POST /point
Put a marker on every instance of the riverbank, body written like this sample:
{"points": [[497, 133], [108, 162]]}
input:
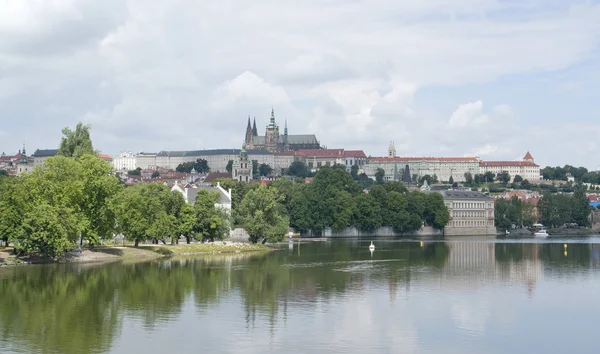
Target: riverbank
{"points": [[130, 253]]}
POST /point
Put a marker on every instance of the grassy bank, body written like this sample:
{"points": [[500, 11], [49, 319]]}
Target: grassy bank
{"points": [[130, 253]]}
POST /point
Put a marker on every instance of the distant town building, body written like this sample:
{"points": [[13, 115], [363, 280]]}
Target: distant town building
{"points": [[41, 155], [190, 191], [273, 141], [471, 213], [216, 159], [526, 168], [242, 167], [125, 161], [442, 167]]}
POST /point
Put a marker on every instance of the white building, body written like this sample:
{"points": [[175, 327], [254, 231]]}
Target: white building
{"points": [[241, 170], [471, 213], [216, 159], [283, 160], [442, 167], [190, 190], [125, 161], [526, 168]]}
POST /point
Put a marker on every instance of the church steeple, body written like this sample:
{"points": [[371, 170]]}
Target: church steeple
{"points": [[285, 131], [254, 131], [392, 150], [249, 136]]}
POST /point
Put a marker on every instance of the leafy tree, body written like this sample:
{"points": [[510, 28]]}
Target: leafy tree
{"points": [[354, 172], [3, 173], [255, 173], [263, 216], [580, 209], [155, 174], [367, 216], [229, 166], [503, 177], [136, 172], [298, 169], [379, 175], [451, 180], [211, 222], [435, 212], [13, 198], [525, 184], [468, 178], [264, 169], [488, 177], [345, 209], [187, 222], [200, 165], [76, 143], [518, 179], [364, 181]]}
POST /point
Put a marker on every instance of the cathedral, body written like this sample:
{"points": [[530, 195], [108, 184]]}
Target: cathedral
{"points": [[273, 141]]}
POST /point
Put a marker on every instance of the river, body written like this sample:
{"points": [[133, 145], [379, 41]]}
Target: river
{"points": [[469, 295]]}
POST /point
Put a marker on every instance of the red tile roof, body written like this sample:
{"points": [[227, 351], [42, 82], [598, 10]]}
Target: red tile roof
{"points": [[528, 156], [407, 159], [214, 175], [321, 153], [105, 157], [355, 153], [507, 163]]}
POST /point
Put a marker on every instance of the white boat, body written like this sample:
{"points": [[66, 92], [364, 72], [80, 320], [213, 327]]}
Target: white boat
{"points": [[541, 233]]}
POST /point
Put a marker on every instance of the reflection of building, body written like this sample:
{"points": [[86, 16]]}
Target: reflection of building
{"points": [[472, 263], [471, 213]]}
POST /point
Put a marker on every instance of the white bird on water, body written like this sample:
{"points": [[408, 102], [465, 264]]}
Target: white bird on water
{"points": [[372, 247]]}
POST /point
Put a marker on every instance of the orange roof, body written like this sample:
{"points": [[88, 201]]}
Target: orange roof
{"points": [[105, 157], [507, 163], [321, 153], [440, 159], [355, 153], [528, 156]]}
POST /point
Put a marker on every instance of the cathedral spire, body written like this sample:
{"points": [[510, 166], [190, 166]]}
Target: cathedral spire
{"points": [[24, 149], [254, 130], [249, 136], [285, 131]]}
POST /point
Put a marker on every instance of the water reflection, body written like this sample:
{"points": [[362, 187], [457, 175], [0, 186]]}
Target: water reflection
{"points": [[82, 308]]}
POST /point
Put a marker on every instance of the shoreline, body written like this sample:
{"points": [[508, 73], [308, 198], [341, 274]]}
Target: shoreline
{"points": [[145, 252]]}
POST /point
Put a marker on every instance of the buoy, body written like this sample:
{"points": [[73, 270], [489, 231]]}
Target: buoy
{"points": [[565, 245], [421, 244], [565, 253]]}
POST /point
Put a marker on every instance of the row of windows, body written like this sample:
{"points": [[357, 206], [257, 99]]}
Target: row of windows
{"points": [[471, 223], [468, 214], [469, 205]]}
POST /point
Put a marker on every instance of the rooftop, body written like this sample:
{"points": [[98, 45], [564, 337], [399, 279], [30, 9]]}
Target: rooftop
{"points": [[470, 195], [507, 163], [416, 159]]}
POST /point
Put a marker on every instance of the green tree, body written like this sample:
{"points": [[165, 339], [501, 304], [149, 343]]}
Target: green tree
{"points": [[298, 169], [354, 172], [580, 209], [155, 174], [503, 177], [3, 173], [229, 166], [435, 212], [468, 178], [518, 179], [451, 180], [525, 184], [379, 175], [136, 172], [367, 216], [264, 169], [76, 143], [200, 165], [13, 201], [211, 222], [263, 216], [187, 222]]}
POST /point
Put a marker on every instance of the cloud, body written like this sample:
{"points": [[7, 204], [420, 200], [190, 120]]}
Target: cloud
{"points": [[154, 75]]}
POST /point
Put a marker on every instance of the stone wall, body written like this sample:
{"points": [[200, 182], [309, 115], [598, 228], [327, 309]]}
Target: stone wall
{"points": [[382, 231], [470, 231]]}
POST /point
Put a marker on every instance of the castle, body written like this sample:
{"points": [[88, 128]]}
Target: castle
{"points": [[272, 141]]}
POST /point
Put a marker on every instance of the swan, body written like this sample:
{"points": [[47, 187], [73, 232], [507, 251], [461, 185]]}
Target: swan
{"points": [[372, 247]]}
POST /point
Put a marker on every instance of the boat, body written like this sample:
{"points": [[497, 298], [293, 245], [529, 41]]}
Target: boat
{"points": [[540, 231]]}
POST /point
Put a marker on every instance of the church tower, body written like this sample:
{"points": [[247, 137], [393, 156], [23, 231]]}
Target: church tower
{"points": [[241, 170], [392, 150], [248, 141], [254, 131], [272, 134], [24, 162]]}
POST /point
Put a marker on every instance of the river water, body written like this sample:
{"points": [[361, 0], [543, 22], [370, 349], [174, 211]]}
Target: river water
{"points": [[471, 295]]}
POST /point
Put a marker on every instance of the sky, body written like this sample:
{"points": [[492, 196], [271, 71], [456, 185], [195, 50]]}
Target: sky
{"points": [[486, 78]]}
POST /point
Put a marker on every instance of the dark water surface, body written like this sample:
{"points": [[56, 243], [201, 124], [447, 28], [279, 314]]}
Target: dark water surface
{"points": [[455, 296]]}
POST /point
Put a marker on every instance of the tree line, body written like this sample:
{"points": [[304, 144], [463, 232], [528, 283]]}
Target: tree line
{"points": [[334, 199]]}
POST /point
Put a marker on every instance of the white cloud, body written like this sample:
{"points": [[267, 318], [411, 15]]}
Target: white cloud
{"points": [[145, 71]]}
